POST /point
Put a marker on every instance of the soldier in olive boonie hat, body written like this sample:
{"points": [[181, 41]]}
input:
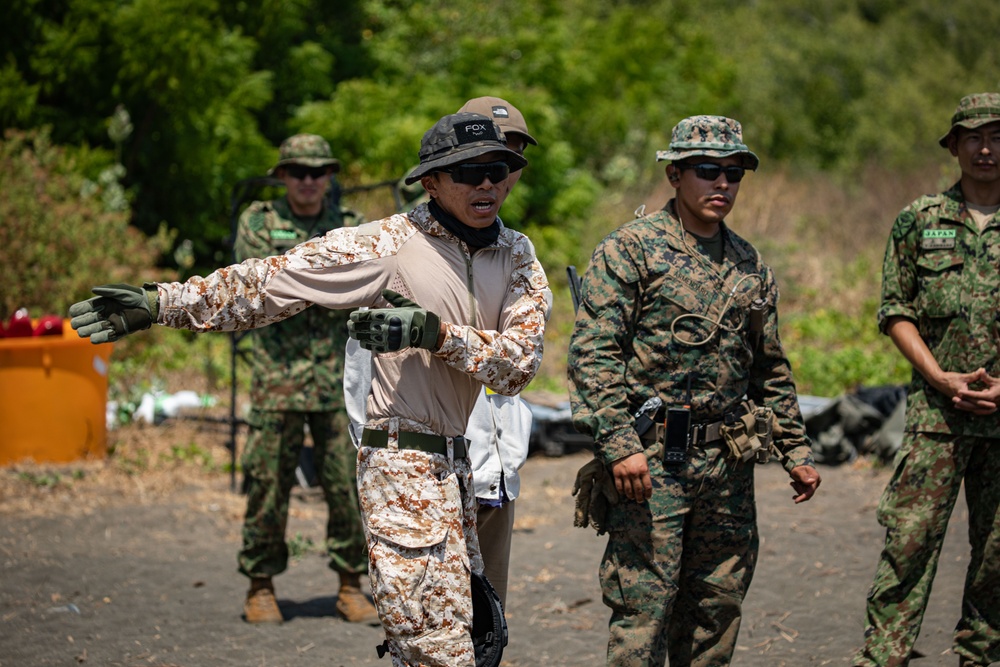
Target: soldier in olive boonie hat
{"points": [[503, 114], [709, 136], [458, 138], [310, 150], [974, 111]]}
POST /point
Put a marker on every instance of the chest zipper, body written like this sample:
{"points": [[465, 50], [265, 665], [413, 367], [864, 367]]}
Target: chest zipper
{"points": [[473, 320]]}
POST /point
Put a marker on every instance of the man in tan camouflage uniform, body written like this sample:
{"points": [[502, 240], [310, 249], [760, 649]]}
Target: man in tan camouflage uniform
{"points": [[500, 426], [297, 371], [458, 301], [676, 306], [940, 305]]}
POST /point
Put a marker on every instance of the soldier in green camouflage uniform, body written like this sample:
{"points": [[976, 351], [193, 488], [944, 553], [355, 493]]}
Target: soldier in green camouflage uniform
{"points": [[940, 304], [667, 301], [297, 369]]}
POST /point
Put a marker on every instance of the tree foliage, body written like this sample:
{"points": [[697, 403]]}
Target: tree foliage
{"points": [[59, 229]]}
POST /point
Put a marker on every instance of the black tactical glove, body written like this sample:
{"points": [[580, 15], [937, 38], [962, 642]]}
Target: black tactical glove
{"points": [[393, 329], [115, 312]]}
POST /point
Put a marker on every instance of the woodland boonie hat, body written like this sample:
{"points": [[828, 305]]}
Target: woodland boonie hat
{"points": [[310, 150], [974, 111], [709, 136]]}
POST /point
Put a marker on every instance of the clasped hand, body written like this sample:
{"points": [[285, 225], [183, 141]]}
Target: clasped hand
{"points": [[980, 401]]}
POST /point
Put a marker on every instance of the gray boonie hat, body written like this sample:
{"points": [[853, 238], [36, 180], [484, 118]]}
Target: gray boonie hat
{"points": [[503, 114], [310, 150], [710, 136], [974, 111], [458, 138]]}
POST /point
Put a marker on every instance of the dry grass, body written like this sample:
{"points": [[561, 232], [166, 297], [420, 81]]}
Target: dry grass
{"points": [[146, 464]]}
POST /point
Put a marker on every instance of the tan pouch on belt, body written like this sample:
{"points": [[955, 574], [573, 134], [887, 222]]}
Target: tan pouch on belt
{"points": [[750, 436]]}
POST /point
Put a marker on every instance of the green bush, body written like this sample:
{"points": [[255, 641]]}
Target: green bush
{"points": [[832, 353], [64, 225]]}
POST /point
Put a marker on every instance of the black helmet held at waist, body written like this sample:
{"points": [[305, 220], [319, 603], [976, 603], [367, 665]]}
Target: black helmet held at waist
{"points": [[489, 627]]}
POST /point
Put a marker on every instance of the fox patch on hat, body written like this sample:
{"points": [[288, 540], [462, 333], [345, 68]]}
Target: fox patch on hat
{"points": [[458, 138]]}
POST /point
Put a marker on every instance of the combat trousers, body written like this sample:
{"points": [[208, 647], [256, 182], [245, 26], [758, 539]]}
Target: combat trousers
{"points": [[419, 514], [915, 508], [677, 567], [269, 461]]}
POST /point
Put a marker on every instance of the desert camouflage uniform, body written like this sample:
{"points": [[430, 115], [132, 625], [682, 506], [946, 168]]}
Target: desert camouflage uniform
{"points": [[419, 508], [297, 368], [677, 567], [940, 272]]}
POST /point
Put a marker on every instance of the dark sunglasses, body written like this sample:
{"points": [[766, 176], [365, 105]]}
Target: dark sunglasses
{"points": [[710, 172], [299, 172], [473, 173]]}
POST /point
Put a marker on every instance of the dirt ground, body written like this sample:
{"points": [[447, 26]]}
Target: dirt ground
{"points": [[133, 564]]}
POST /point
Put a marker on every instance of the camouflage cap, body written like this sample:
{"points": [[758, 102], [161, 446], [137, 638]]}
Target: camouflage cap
{"points": [[310, 150], [974, 111], [458, 138], [503, 114], [710, 136]]}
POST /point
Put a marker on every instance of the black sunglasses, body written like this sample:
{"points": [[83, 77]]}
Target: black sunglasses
{"points": [[473, 173], [299, 171], [708, 171]]}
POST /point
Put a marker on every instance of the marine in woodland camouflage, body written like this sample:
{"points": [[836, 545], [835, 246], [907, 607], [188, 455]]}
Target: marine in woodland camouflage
{"points": [[635, 338], [678, 566]]}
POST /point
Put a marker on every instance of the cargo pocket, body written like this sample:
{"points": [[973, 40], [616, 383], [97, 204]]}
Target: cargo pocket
{"points": [[408, 524]]}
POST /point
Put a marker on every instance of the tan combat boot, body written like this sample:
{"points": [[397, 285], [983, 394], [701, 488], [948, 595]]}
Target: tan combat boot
{"points": [[260, 605], [352, 603]]}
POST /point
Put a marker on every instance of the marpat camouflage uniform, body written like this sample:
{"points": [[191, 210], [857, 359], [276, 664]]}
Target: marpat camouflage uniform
{"points": [[941, 273], [677, 567], [297, 370]]}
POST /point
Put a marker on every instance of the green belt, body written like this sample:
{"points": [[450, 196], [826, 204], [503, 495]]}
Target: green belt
{"points": [[434, 444]]}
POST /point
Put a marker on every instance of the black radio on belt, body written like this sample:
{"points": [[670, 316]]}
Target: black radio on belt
{"points": [[677, 431]]}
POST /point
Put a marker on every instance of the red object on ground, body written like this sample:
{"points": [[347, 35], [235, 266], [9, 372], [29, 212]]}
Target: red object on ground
{"points": [[20, 324], [49, 325]]}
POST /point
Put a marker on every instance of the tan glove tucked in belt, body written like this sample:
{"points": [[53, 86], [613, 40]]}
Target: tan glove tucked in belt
{"points": [[595, 492]]}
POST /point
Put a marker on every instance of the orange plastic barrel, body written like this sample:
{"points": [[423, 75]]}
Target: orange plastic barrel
{"points": [[53, 398]]}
